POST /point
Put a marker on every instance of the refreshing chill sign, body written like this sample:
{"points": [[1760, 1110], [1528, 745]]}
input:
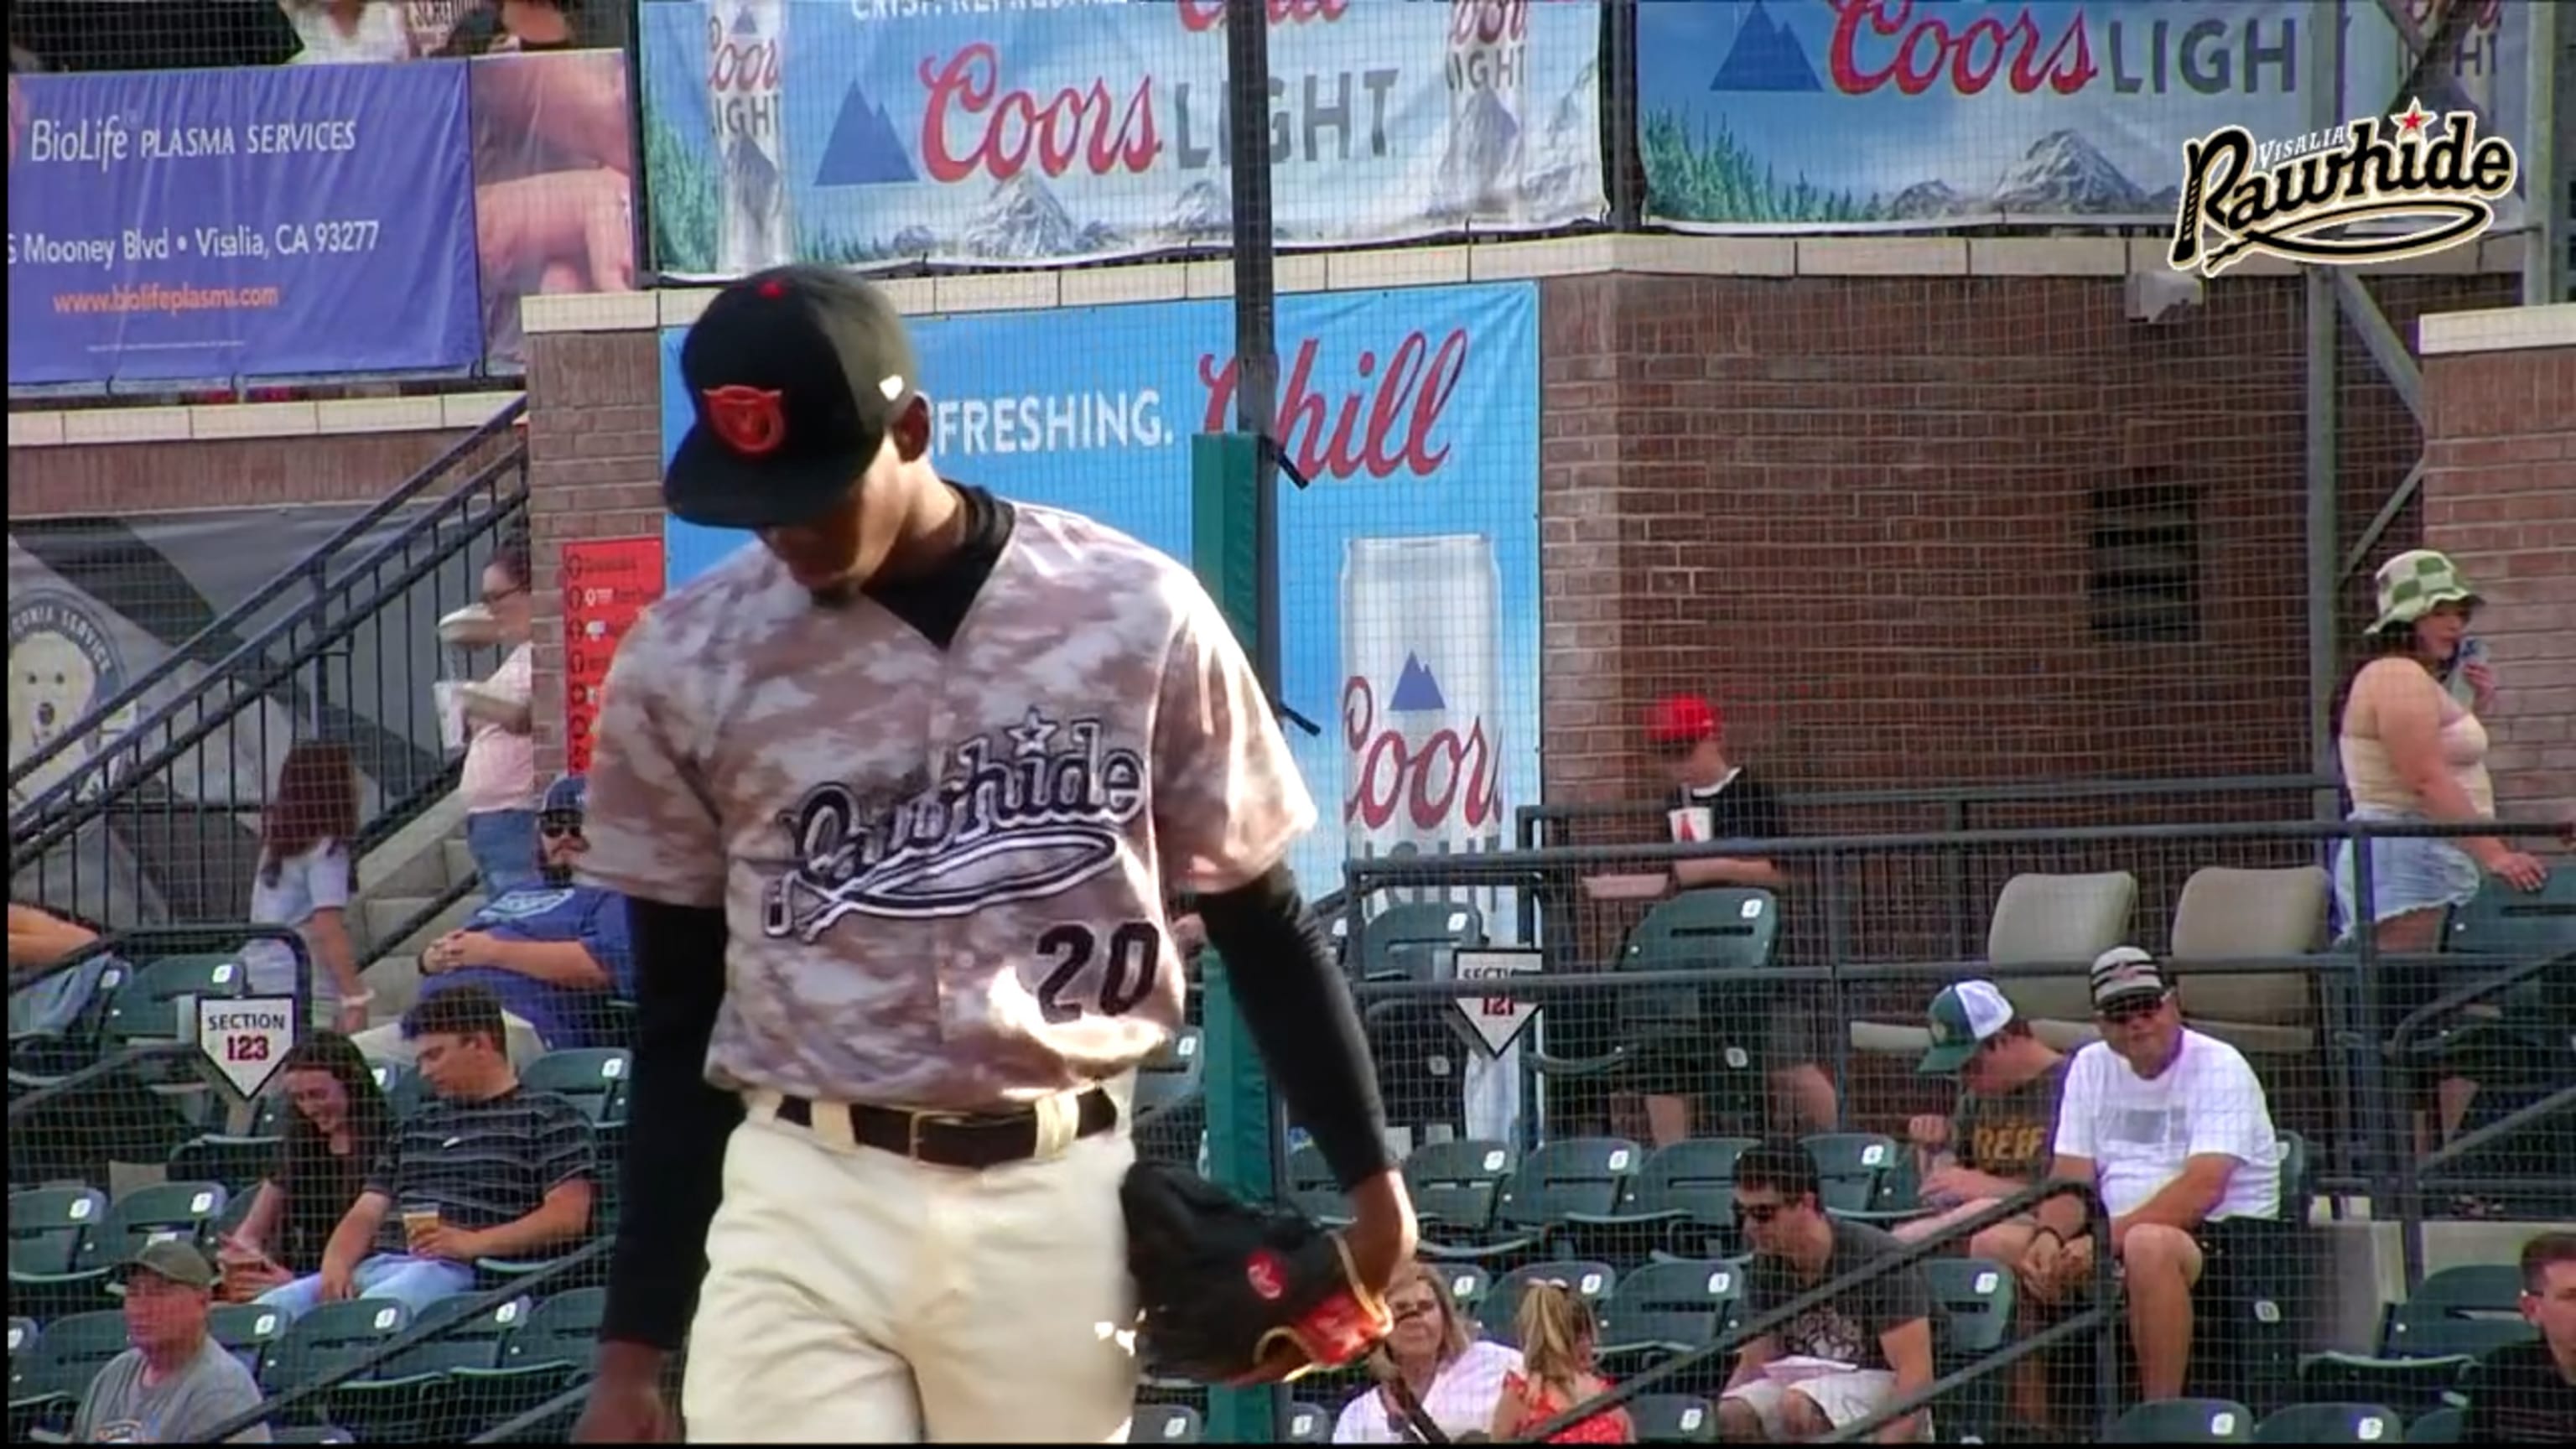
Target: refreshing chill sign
{"points": [[1409, 599]]}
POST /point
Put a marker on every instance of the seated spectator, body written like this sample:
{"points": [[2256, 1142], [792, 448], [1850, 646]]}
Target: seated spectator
{"points": [[1558, 1335], [2525, 1393], [1456, 1376], [1998, 1141], [486, 1170], [41, 938], [337, 1128], [1838, 1363], [2171, 1127], [176, 1382], [1715, 798], [555, 953]]}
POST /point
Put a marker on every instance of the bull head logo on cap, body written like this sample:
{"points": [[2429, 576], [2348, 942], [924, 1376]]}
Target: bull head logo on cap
{"points": [[750, 420]]}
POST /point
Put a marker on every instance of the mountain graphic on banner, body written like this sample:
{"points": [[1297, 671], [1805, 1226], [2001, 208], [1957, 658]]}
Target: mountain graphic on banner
{"points": [[1416, 692], [1765, 57], [2064, 173], [864, 149]]}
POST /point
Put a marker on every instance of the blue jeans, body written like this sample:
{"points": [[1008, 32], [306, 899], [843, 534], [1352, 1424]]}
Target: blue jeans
{"points": [[504, 846], [415, 1283]]}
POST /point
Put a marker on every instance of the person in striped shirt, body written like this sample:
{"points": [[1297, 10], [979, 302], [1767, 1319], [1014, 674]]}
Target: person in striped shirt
{"points": [[488, 1169]]}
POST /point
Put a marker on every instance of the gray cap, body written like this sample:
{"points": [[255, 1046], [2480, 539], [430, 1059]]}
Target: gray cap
{"points": [[176, 1259], [2127, 974]]}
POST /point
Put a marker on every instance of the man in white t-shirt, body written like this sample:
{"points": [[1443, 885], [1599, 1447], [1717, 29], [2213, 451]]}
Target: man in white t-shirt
{"points": [[2171, 1127]]}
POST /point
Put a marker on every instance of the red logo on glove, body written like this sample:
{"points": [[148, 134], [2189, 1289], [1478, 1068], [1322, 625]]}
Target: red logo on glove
{"points": [[1267, 1275], [750, 420]]}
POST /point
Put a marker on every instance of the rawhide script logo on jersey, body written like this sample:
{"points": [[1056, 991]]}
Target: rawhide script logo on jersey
{"points": [[1022, 813]]}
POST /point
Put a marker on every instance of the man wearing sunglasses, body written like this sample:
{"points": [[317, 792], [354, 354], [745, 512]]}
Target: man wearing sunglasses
{"points": [[556, 952], [2172, 1128], [1843, 1360]]}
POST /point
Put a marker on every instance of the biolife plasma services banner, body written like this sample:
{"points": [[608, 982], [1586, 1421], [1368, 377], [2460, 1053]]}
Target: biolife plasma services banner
{"points": [[858, 132], [1409, 571]]}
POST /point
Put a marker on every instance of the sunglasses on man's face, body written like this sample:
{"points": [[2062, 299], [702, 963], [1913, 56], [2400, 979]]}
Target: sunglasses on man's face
{"points": [[2128, 1011], [1757, 1212], [559, 829]]}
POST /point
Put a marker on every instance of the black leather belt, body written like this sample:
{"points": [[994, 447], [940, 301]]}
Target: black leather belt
{"points": [[970, 1140]]}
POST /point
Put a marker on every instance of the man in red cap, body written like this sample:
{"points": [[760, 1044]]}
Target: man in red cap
{"points": [[1714, 798]]}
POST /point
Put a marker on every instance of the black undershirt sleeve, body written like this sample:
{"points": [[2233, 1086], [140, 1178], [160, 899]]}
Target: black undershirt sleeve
{"points": [[677, 1126], [1296, 1003]]}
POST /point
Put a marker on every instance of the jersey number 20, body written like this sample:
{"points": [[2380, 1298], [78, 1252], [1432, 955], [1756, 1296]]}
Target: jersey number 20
{"points": [[1132, 957]]}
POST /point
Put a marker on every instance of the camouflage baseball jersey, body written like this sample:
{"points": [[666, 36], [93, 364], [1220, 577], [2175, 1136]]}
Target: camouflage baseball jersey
{"points": [[943, 872]]}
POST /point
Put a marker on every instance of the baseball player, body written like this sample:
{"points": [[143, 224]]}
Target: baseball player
{"points": [[898, 797]]}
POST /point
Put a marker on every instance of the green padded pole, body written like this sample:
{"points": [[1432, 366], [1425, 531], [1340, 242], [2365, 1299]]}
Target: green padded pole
{"points": [[1225, 526]]}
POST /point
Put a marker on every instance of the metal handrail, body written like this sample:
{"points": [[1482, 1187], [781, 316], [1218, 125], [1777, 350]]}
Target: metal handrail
{"points": [[2098, 1317], [302, 571], [162, 938], [48, 823]]}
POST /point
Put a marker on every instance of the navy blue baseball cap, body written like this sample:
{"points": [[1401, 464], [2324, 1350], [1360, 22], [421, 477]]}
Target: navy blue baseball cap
{"points": [[796, 373], [568, 795]]}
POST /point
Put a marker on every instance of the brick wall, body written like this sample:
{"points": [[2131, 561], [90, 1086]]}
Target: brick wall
{"points": [[594, 471], [138, 478], [2500, 498]]}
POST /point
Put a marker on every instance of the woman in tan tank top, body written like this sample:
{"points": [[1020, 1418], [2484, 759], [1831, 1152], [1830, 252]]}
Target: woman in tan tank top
{"points": [[2412, 751]]}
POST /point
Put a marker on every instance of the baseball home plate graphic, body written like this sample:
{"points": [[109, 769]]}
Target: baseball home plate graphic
{"points": [[2431, 174]]}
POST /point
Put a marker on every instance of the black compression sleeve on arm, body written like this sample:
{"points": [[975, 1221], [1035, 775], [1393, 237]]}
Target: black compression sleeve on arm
{"points": [[677, 1126], [1295, 1002]]}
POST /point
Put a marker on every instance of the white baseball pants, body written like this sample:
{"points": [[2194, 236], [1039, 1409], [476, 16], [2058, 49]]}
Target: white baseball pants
{"points": [[853, 1296]]}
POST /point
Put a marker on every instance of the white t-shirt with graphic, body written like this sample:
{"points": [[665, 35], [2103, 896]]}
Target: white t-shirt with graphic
{"points": [[2138, 1131]]}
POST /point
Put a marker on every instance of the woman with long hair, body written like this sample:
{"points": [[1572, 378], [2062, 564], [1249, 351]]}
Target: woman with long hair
{"points": [[306, 873], [1434, 1352], [337, 1124], [2413, 750], [1558, 1334]]}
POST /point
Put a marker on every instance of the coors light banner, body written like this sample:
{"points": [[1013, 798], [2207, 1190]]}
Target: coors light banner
{"points": [[857, 132], [1890, 115]]}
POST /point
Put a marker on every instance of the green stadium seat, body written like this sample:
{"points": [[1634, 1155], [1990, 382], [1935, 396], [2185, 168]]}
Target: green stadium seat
{"points": [[545, 1355], [311, 1434], [2469, 1309], [146, 1215], [1313, 1189], [1574, 1180], [2185, 1421], [330, 1338], [1975, 1297], [22, 1334], [145, 1007], [46, 1226], [1309, 1424], [1468, 1285], [47, 1379], [1689, 1030], [2410, 1386], [1667, 1308], [1683, 1198], [39, 1058], [2442, 1426], [1166, 1424], [250, 1330], [1673, 1419], [1852, 1168], [1403, 941], [1456, 1185], [1589, 1281], [2522, 925], [404, 1090], [412, 1397], [2329, 1424], [239, 1163], [1168, 1077], [591, 1078]]}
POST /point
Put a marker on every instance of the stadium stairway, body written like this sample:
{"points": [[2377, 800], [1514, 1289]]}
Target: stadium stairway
{"points": [[415, 885]]}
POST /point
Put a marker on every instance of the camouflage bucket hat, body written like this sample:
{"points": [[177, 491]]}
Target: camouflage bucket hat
{"points": [[2413, 583]]}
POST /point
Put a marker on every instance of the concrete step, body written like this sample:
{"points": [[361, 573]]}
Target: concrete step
{"points": [[395, 978], [459, 860]]}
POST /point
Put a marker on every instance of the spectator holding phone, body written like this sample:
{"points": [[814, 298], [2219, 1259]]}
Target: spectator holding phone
{"points": [[2413, 751], [337, 1126]]}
